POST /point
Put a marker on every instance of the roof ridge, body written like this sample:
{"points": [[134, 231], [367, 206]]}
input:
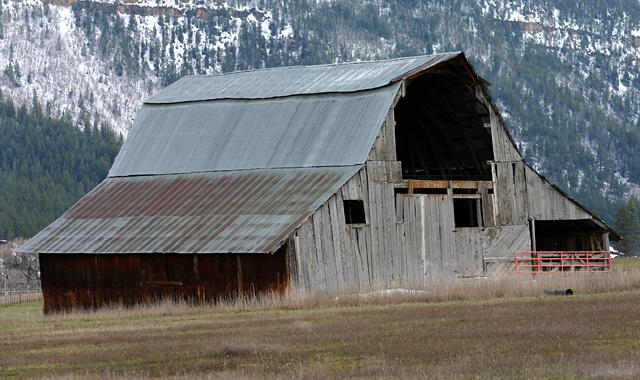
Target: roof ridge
{"points": [[320, 65], [297, 80]]}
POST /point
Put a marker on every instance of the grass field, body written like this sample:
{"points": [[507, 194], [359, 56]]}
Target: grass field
{"points": [[481, 329], [625, 263]]}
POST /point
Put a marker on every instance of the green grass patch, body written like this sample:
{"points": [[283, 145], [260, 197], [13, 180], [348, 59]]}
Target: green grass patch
{"points": [[625, 263], [21, 309]]}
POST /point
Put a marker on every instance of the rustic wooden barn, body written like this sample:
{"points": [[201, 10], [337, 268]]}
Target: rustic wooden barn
{"points": [[309, 178]]}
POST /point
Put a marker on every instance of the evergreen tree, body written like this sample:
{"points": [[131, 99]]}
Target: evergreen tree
{"points": [[628, 225]]}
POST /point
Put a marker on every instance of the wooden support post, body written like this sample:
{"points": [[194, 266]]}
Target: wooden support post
{"points": [[240, 282], [532, 228], [597, 241], [196, 279]]}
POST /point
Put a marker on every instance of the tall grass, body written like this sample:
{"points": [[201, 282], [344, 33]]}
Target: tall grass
{"points": [[468, 289]]}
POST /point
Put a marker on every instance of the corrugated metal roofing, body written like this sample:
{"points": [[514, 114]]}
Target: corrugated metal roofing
{"points": [[234, 163], [297, 131], [299, 80], [238, 212]]}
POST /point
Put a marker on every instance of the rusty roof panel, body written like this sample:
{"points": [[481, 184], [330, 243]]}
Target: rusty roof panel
{"points": [[298, 131], [249, 211], [298, 80]]}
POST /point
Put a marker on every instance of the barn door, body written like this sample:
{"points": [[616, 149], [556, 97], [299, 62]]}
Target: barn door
{"points": [[426, 246], [164, 277], [438, 226], [447, 252]]}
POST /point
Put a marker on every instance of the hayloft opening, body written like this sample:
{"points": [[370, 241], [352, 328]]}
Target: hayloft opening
{"points": [[442, 129], [354, 212]]}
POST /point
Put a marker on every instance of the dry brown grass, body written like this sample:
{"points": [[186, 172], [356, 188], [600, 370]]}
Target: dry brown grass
{"points": [[495, 328]]}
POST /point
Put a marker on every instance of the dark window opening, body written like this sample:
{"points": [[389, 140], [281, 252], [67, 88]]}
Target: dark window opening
{"points": [[465, 191], [466, 213], [354, 212], [430, 191], [401, 190]]}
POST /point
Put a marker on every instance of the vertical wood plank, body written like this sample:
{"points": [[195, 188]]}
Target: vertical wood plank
{"points": [[320, 252]]}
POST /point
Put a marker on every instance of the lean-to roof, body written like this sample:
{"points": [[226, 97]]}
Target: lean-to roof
{"points": [[218, 212]]}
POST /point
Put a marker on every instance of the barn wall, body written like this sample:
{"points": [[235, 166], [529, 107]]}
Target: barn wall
{"points": [[499, 246], [89, 281], [407, 238], [510, 189]]}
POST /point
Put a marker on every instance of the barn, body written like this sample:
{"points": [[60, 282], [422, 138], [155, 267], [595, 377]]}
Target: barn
{"points": [[310, 178]]}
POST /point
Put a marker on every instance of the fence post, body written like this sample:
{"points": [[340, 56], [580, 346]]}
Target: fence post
{"points": [[588, 266]]}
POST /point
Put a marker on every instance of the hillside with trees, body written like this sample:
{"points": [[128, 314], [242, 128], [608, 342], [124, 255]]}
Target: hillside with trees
{"points": [[46, 165]]}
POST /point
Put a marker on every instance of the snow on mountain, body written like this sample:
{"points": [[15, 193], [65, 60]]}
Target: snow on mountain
{"points": [[50, 63], [565, 73], [45, 56]]}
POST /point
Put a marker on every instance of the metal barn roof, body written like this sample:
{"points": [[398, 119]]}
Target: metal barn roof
{"points": [[222, 212], [327, 115], [298, 131], [300, 80]]}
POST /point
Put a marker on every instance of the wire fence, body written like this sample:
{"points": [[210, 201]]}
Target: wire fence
{"points": [[12, 297]]}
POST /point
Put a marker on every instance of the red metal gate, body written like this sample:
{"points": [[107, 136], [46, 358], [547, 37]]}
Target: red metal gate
{"points": [[536, 262]]}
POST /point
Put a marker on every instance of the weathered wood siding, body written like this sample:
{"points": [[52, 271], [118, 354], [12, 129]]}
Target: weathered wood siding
{"points": [[510, 189], [408, 238], [504, 148], [90, 281], [331, 254], [384, 148], [499, 246], [547, 203]]}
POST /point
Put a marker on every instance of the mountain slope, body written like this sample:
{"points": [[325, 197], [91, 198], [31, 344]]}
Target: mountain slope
{"points": [[564, 74]]}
